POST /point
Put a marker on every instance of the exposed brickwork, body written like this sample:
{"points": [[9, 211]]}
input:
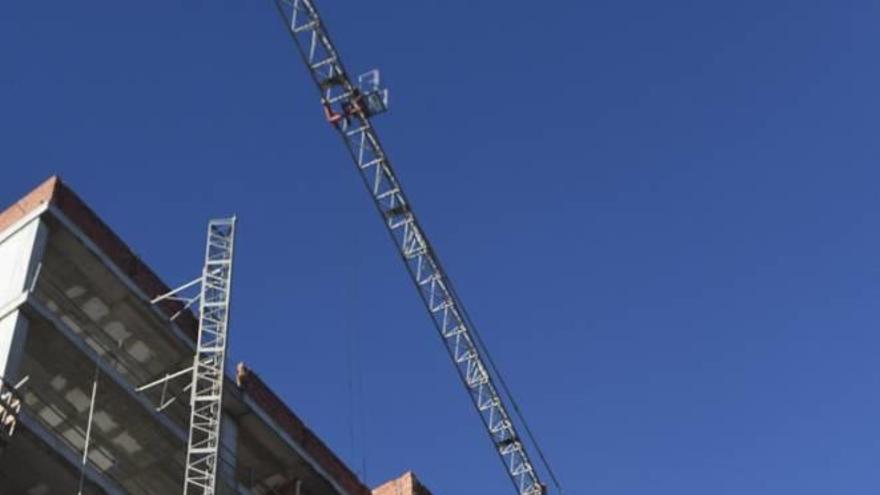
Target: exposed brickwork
{"points": [[41, 195], [407, 484]]}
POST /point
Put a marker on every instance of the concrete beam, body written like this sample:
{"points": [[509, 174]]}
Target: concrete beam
{"points": [[106, 368], [253, 406], [129, 284], [69, 455]]}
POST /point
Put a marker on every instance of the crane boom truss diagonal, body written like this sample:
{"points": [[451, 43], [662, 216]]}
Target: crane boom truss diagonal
{"points": [[206, 393], [342, 101]]}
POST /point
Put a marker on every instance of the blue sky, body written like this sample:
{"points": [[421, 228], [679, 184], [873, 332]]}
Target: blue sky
{"points": [[660, 214]]}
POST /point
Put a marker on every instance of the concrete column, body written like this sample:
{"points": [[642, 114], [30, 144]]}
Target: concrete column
{"points": [[13, 333], [228, 454], [20, 254]]}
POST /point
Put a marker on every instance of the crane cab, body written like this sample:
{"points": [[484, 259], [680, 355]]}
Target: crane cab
{"points": [[375, 97]]}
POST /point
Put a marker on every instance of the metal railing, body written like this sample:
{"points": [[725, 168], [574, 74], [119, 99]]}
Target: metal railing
{"points": [[10, 407]]}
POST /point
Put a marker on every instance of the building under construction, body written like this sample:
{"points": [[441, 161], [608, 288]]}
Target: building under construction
{"points": [[95, 348], [81, 332]]}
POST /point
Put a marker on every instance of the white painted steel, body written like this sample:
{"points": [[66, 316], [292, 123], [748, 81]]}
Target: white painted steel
{"points": [[346, 106], [206, 393]]}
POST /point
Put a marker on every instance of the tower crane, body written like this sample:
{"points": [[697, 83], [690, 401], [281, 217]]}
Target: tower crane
{"points": [[349, 105], [207, 371]]}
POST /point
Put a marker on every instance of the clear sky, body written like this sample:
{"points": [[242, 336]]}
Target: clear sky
{"points": [[662, 215]]}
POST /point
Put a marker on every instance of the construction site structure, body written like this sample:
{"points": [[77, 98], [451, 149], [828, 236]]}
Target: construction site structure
{"points": [[349, 105], [209, 362], [208, 373], [81, 329]]}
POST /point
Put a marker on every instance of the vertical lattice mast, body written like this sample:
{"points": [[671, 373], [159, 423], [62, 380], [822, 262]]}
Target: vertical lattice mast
{"points": [[206, 394], [349, 107]]}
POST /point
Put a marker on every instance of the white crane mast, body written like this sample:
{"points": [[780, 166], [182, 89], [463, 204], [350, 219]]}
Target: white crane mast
{"points": [[207, 371], [206, 392]]}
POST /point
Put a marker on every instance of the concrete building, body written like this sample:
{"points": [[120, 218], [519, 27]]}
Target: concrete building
{"points": [[74, 310]]}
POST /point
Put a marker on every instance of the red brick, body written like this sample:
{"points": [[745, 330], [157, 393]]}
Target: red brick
{"points": [[407, 484]]}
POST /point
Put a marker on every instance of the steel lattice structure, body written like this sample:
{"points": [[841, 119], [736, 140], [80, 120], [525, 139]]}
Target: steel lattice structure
{"points": [[206, 393], [349, 108]]}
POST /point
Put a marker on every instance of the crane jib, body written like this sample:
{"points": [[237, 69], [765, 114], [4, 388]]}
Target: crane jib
{"points": [[348, 107]]}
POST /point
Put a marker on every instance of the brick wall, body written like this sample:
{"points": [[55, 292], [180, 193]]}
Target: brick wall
{"points": [[407, 484]]}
